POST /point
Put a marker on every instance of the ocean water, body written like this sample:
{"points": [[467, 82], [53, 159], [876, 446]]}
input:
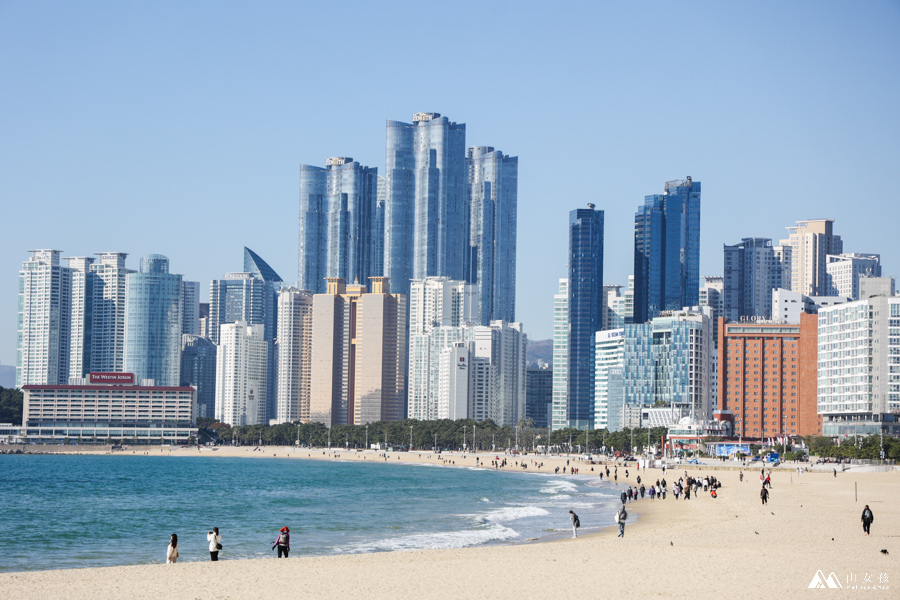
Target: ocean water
{"points": [[87, 511]]}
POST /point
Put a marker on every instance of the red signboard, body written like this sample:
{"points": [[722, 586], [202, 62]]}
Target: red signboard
{"points": [[112, 378]]}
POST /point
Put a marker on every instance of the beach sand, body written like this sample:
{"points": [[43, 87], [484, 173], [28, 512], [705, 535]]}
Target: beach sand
{"points": [[729, 547]]}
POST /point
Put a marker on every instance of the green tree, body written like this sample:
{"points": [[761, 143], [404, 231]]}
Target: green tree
{"points": [[11, 401]]}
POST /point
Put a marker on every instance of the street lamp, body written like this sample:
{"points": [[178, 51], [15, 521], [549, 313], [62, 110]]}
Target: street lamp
{"points": [[367, 436], [410, 437]]}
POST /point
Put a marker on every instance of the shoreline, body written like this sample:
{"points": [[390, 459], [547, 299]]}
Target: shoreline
{"points": [[452, 460], [673, 550], [699, 548]]}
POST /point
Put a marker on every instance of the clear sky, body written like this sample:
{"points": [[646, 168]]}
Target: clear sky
{"points": [[178, 127]]}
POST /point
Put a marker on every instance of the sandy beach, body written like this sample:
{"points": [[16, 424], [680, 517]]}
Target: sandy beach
{"points": [[729, 547]]}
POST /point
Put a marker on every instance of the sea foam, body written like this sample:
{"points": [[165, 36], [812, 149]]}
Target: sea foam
{"points": [[442, 539]]}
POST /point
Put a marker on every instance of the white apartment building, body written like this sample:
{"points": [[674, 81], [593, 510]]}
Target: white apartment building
{"points": [[453, 388], [441, 302], [560, 355], [441, 312], [845, 270], [45, 291], [108, 326], [609, 353], [294, 351], [500, 397], [787, 305], [859, 367], [241, 371], [80, 315]]}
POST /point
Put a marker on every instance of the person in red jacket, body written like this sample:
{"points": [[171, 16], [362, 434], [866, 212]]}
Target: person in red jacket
{"points": [[283, 542]]}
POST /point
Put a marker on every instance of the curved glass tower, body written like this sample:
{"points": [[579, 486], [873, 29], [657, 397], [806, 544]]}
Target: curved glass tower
{"points": [[491, 261], [153, 322], [426, 213], [337, 219]]}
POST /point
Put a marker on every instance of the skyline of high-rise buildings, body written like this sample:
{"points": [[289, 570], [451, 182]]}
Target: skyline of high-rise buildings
{"points": [[459, 261]]}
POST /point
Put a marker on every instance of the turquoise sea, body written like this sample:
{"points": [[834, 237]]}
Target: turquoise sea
{"points": [[66, 511]]}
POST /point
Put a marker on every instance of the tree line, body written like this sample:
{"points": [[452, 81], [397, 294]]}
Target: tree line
{"points": [[442, 434]]}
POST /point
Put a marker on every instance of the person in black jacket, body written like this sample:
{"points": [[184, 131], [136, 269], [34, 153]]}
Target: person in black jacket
{"points": [[867, 518], [764, 495], [576, 523]]}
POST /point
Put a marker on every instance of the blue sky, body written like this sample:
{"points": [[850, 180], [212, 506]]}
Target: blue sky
{"points": [[178, 127]]}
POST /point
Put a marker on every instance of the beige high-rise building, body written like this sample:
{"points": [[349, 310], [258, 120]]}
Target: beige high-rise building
{"points": [[294, 351], [358, 354], [811, 242]]}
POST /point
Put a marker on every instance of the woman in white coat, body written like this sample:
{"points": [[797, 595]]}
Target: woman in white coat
{"points": [[172, 550], [215, 540]]}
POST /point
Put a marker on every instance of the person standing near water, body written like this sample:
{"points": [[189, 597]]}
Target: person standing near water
{"points": [[575, 523], [867, 518], [172, 550], [283, 542], [621, 516], [215, 543]]}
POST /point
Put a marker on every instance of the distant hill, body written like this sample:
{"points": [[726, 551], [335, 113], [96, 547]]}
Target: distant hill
{"points": [[7, 376], [539, 349]]}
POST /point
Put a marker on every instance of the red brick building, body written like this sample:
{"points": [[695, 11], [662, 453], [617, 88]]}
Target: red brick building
{"points": [[768, 377]]}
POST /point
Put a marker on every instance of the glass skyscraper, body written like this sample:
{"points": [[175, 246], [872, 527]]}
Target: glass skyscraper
{"points": [[255, 265], [667, 250], [425, 210], [491, 260], [668, 361], [585, 312], [198, 369], [337, 221], [153, 322]]}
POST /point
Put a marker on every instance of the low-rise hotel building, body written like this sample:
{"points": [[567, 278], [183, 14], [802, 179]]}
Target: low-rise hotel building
{"points": [[109, 406]]}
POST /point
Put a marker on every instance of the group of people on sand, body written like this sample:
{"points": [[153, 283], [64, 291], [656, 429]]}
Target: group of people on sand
{"points": [[282, 543]]}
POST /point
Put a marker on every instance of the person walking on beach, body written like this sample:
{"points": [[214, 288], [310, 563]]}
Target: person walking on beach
{"points": [[621, 516], [575, 523], [283, 542], [624, 497], [172, 550], [215, 543], [867, 518], [764, 495]]}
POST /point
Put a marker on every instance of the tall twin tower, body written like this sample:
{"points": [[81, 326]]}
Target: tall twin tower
{"points": [[440, 210]]}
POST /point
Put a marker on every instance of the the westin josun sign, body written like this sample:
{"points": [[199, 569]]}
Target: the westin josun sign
{"points": [[112, 378]]}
